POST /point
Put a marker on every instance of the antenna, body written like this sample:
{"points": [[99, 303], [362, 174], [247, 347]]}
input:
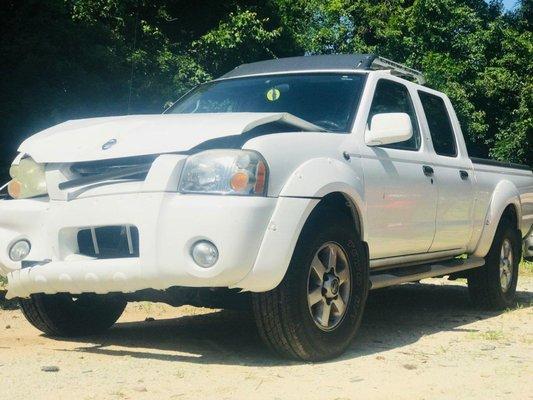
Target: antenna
{"points": [[398, 69]]}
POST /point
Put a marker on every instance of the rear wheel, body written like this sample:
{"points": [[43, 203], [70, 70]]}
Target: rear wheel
{"points": [[493, 286], [67, 315], [316, 310]]}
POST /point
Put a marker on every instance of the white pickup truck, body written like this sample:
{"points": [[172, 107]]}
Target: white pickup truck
{"points": [[296, 184]]}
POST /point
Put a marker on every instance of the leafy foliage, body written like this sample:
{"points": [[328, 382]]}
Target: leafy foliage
{"points": [[240, 38], [469, 49], [65, 59]]}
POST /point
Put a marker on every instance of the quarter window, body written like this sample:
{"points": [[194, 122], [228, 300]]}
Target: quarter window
{"points": [[439, 123], [393, 97]]}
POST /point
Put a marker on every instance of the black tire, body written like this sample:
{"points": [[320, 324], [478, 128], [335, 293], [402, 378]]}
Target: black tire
{"points": [[484, 284], [63, 315], [283, 315]]}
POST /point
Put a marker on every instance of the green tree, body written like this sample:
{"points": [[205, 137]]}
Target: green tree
{"points": [[471, 50], [240, 38], [66, 59]]}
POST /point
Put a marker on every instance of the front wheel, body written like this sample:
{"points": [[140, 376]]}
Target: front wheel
{"points": [[493, 286], [66, 315], [316, 311]]}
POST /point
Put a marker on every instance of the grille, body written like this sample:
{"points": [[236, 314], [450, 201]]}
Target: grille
{"points": [[92, 168], [89, 172], [109, 242]]}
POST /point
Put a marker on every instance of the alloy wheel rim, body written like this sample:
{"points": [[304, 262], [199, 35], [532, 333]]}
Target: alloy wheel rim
{"points": [[329, 286], [506, 265]]}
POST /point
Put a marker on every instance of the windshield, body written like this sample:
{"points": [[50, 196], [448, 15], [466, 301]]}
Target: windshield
{"points": [[326, 100]]}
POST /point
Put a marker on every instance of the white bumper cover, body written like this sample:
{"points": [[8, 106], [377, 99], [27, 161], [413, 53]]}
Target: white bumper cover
{"points": [[255, 237], [168, 224]]}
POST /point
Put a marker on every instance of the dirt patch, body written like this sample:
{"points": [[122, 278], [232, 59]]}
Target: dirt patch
{"points": [[417, 341]]}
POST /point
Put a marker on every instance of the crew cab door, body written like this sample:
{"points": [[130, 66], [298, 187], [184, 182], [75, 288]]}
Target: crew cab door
{"points": [[453, 173], [400, 196]]}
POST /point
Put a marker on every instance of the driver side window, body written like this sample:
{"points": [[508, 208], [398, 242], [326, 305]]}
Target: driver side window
{"points": [[393, 97]]}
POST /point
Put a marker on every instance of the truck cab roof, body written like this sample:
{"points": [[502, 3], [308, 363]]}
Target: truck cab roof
{"points": [[328, 62]]}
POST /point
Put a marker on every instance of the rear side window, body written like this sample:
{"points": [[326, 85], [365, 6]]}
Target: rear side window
{"points": [[393, 97], [439, 124]]}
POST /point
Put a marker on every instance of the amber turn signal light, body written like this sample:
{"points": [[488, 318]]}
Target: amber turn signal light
{"points": [[260, 177], [14, 188], [239, 181]]}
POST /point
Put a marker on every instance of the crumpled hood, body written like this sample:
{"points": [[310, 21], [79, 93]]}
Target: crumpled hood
{"points": [[84, 139]]}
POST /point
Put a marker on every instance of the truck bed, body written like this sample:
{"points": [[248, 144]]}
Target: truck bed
{"points": [[503, 164]]}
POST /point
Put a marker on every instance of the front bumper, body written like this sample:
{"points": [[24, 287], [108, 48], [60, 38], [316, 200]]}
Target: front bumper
{"points": [[168, 224]]}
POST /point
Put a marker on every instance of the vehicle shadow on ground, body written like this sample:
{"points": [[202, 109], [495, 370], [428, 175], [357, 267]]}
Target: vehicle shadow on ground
{"points": [[394, 318]]}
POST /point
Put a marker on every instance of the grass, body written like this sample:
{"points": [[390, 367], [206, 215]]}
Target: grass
{"points": [[492, 335], [526, 268], [6, 304]]}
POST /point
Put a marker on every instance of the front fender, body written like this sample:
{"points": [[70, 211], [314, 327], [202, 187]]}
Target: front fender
{"points": [[319, 177], [504, 195], [278, 244], [301, 194]]}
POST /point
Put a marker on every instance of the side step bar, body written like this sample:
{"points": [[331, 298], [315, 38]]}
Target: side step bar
{"points": [[396, 276]]}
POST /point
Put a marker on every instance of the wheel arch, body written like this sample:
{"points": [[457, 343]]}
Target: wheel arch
{"points": [[286, 226], [313, 185], [511, 213], [342, 202], [327, 179], [505, 203]]}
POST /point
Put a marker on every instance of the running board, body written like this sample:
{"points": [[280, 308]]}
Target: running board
{"points": [[396, 276]]}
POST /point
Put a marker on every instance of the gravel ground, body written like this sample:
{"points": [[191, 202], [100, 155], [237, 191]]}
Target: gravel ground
{"points": [[417, 341]]}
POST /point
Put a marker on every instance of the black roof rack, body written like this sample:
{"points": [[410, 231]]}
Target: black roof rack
{"points": [[325, 62]]}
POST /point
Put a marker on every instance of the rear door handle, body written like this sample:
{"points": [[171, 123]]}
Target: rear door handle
{"points": [[463, 174], [428, 171]]}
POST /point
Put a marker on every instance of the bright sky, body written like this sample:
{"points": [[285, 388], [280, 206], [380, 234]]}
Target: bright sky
{"points": [[509, 4]]}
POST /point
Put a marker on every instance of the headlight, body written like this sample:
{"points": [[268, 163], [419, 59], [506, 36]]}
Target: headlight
{"points": [[28, 180], [237, 172]]}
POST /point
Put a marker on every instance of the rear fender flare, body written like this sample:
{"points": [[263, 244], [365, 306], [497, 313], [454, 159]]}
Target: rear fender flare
{"points": [[504, 194]]}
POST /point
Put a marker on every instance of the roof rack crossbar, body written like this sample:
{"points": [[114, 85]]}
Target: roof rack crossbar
{"points": [[364, 62], [397, 69]]}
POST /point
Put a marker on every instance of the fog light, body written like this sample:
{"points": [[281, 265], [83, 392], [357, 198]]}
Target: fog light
{"points": [[20, 250], [204, 253]]}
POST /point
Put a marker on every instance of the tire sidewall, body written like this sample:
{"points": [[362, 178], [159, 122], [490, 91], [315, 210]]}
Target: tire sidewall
{"points": [[327, 344], [493, 263], [58, 315]]}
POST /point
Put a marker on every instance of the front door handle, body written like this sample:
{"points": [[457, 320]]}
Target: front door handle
{"points": [[428, 171], [463, 174]]}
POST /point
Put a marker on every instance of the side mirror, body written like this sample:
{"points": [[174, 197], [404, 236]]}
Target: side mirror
{"points": [[389, 128]]}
